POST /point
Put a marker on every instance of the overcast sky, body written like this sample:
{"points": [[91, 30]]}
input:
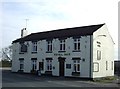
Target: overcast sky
{"points": [[45, 15]]}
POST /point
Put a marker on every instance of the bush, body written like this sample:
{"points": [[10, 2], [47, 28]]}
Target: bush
{"points": [[5, 63], [107, 79]]}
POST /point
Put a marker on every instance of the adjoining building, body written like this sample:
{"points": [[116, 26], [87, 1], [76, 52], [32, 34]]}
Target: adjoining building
{"points": [[85, 52], [117, 67]]}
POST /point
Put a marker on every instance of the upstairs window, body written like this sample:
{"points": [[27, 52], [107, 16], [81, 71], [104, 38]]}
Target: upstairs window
{"points": [[77, 44], [34, 46], [23, 48], [62, 45], [49, 46]]}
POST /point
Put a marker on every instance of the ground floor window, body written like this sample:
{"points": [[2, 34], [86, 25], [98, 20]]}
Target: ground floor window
{"points": [[68, 66], [34, 63], [76, 65], [49, 64], [21, 63], [95, 67]]}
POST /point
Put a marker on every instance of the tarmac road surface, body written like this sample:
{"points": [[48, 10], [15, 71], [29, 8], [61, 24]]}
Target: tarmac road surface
{"points": [[10, 79]]}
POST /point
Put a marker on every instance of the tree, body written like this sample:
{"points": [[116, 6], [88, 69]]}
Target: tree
{"points": [[6, 53]]}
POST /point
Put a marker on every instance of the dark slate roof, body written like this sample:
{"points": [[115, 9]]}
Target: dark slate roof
{"points": [[61, 33]]}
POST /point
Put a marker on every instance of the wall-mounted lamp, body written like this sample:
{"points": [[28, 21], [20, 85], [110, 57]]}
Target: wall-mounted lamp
{"points": [[83, 59], [53, 67]]}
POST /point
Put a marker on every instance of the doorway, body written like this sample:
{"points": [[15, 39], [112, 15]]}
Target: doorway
{"points": [[61, 66], [41, 66]]}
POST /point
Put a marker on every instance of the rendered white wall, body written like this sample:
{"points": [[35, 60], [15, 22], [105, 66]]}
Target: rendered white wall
{"points": [[42, 55], [107, 51]]}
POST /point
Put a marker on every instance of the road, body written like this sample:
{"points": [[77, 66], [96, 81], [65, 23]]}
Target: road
{"points": [[28, 80]]}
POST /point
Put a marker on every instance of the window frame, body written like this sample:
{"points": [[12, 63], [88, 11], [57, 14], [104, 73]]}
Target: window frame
{"points": [[34, 64], [96, 65], [76, 65], [77, 44], [49, 46], [98, 55], [62, 45], [49, 65], [34, 46], [68, 66], [22, 45]]}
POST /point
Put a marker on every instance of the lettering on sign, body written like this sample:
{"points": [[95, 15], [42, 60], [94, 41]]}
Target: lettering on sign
{"points": [[59, 54], [66, 54]]}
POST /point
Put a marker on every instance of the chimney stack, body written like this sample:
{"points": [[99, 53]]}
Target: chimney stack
{"points": [[23, 32]]}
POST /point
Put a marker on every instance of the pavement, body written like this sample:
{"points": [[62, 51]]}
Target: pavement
{"points": [[10, 79]]}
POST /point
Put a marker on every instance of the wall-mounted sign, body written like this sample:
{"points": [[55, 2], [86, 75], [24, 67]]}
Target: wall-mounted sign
{"points": [[60, 54]]}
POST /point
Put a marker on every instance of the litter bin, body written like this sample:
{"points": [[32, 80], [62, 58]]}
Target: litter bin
{"points": [[39, 73]]}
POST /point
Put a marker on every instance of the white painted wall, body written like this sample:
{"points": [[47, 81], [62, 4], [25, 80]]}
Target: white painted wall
{"points": [[15, 61], [41, 54], [107, 50]]}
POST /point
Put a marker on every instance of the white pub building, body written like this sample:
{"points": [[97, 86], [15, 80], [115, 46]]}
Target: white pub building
{"points": [[85, 52]]}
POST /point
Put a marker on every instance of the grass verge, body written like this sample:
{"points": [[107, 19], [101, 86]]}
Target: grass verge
{"points": [[108, 79]]}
